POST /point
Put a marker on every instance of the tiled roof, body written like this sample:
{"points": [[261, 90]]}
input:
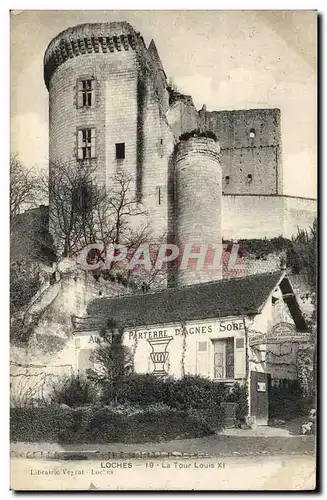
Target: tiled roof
{"points": [[214, 299]]}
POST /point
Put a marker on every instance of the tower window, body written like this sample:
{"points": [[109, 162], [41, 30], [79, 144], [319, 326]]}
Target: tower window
{"points": [[120, 151], [85, 93], [252, 133], [249, 177], [86, 143], [227, 179]]}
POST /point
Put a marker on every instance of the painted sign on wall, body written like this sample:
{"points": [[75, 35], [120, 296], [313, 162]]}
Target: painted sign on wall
{"points": [[204, 329]]}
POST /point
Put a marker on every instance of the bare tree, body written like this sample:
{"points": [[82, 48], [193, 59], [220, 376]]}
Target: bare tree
{"points": [[155, 277], [71, 199], [24, 187], [83, 212]]}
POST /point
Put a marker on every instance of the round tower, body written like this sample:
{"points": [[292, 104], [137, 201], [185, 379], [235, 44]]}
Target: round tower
{"points": [[198, 202], [91, 73], [107, 100]]}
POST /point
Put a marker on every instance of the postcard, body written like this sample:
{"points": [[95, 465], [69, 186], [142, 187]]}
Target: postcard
{"points": [[163, 267]]}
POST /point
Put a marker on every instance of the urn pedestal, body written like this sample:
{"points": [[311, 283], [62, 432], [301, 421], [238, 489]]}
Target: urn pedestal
{"points": [[159, 354]]}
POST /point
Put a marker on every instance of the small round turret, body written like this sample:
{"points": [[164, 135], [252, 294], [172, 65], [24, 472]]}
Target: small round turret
{"points": [[198, 193]]}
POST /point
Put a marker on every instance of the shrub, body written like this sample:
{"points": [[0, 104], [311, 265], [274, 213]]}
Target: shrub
{"points": [[197, 133], [239, 395], [193, 391], [113, 359], [166, 425], [39, 424], [213, 416], [145, 389], [142, 389], [73, 391], [286, 400], [104, 425]]}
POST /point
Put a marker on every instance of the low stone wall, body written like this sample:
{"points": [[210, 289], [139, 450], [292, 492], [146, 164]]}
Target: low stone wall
{"points": [[249, 216]]}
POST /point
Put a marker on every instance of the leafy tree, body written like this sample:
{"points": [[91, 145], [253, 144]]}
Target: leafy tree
{"points": [[302, 257], [24, 283]]}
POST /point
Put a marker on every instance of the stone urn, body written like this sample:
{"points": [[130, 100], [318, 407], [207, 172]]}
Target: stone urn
{"points": [[159, 354]]}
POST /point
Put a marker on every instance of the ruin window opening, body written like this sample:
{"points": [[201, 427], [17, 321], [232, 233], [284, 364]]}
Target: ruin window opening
{"points": [[120, 151], [227, 179]]}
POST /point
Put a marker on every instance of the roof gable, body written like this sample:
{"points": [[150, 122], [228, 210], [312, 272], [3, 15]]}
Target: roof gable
{"points": [[290, 300]]}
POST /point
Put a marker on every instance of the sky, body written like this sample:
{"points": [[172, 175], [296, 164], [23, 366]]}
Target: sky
{"points": [[224, 59]]}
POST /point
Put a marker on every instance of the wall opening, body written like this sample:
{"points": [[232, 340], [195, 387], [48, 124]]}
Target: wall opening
{"points": [[158, 195], [120, 151]]}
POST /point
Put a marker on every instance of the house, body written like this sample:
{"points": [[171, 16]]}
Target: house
{"points": [[246, 330]]}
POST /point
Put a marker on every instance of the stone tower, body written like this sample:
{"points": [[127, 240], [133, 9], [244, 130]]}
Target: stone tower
{"points": [[198, 207], [107, 105]]}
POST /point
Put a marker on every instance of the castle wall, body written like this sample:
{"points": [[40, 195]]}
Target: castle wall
{"points": [[246, 217], [132, 106], [121, 110], [265, 264], [157, 147], [183, 117], [240, 163], [299, 212], [250, 143]]}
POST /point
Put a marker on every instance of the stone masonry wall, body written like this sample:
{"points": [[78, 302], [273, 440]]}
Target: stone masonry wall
{"points": [[113, 116], [157, 146], [183, 117], [299, 213], [247, 217], [250, 144]]}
